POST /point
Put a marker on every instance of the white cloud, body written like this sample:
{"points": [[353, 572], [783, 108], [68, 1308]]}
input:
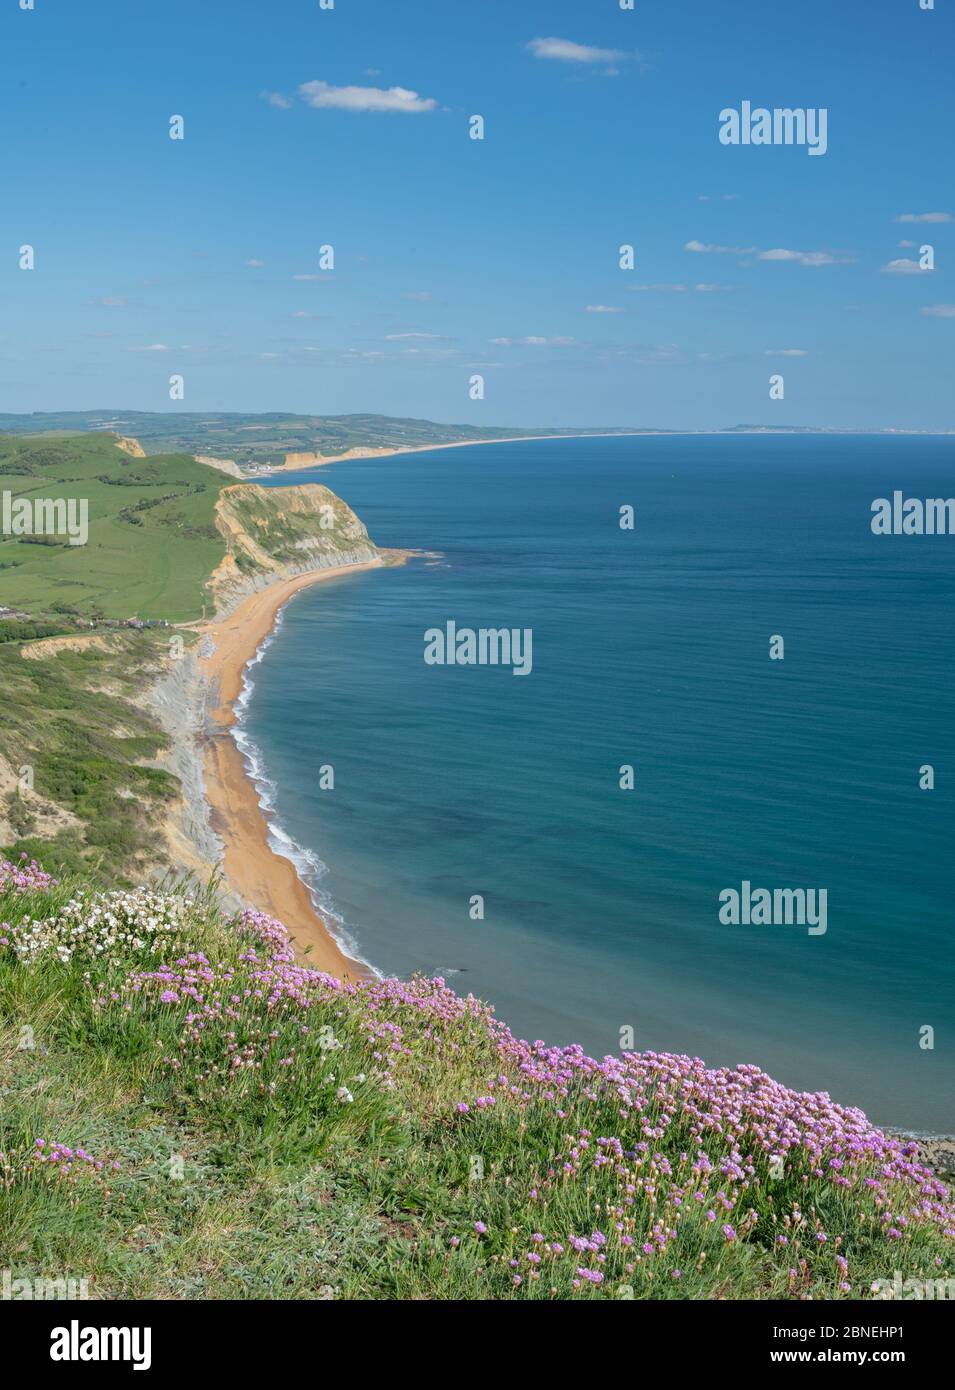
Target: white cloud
{"points": [[277, 99], [661, 289], [254, 264], [533, 341], [940, 311], [811, 258], [712, 289], [707, 248], [311, 277], [432, 352], [786, 352], [324, 96], [151, 347], [402, 337], [906, 243], [565, 51], [776, 253], [110, 301], [602, 309], [902, 267], [925, 217]]}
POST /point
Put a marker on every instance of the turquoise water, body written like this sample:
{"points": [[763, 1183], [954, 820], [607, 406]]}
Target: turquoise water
{"points": [[650, 648]]}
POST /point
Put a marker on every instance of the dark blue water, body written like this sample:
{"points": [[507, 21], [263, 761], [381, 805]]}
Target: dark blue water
{"points": [[650, 648]]}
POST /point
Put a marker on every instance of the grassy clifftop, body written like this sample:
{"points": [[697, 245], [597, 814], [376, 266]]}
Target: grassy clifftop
{"points": [[169, 540], [152, 539], [188, 1112], [160, 530]]}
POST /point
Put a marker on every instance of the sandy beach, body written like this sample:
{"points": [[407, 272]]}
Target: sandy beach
{"points": [[362, 453], [251, 867]]}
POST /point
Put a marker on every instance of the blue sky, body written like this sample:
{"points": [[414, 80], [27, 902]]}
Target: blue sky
{"points": [[499, 257]]}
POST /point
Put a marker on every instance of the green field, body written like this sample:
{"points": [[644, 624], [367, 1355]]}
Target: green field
{"points": [[152, 537]]}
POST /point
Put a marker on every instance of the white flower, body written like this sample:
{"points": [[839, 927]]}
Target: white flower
{"points": [[104, 924]]}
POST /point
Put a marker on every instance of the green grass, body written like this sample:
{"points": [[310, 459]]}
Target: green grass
{"points": [[241, 1189], [152, 538]]}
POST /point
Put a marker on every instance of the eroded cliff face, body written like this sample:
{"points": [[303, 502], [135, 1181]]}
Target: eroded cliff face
{"points": [[277, 533], [130, 446], [302, 459], [312, 460], [224, 465]]}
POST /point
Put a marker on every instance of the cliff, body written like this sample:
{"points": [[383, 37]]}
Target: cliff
{"points": [[224, 465], [277, 533], [130, 446], [311, 459]]}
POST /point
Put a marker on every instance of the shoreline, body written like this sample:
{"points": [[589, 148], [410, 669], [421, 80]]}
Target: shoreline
{"points": [[251, 867], [220, 823], [352, 455]]}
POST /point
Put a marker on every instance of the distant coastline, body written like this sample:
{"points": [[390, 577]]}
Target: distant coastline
{"points": [[383, 453], [795, 430], [253, 445]]}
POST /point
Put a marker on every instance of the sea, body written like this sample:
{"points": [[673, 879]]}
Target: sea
{"points": [[735, 686]]}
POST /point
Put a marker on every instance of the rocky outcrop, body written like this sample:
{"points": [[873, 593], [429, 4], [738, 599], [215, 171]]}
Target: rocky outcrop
{"points": [[277, 533], [130, 446]]}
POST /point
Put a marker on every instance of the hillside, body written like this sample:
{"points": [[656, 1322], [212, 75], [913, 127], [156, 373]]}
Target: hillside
{"points": [[85, 777], [190, 1113], [159, 529], [152, 535]]}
